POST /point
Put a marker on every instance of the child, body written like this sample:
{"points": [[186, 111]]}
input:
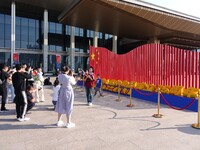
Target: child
{"points": [[56, 88], [30, 98], [98, 85]]}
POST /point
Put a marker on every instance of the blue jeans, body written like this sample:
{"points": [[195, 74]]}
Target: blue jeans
{"points": [[10, 88], [88, 94]]}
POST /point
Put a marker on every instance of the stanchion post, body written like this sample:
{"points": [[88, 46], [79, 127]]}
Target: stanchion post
{"points": [[118, 85], [158, 115], [131, 104], [197, 125]]}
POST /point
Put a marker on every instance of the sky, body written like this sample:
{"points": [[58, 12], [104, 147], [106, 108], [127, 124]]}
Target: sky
{"points": [[190, 7]]}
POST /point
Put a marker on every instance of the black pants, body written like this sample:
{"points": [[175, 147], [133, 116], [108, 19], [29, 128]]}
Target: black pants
{"points": [[30, 106], [3, 93], [21, 103]]}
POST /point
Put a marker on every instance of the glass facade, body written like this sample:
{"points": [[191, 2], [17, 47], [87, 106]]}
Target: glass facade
{"points": [[35, 61], [29, 39], [27, 33]]}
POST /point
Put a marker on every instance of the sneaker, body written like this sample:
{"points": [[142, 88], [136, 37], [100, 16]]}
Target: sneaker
{"points": [[89, 104], [26, 119], [70, 125], [60, 124], [20, 119]]}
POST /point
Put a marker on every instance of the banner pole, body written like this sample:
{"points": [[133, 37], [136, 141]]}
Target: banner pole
{"points": [[118, 99], [197, 125], [130, 105], [158, 115]]}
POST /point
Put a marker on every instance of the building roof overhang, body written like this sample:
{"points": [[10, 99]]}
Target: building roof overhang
{"points": [[133, 19], [125, 18]]}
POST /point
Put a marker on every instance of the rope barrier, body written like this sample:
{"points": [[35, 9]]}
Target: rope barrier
{"points": [[144, 93], [193, 100]]}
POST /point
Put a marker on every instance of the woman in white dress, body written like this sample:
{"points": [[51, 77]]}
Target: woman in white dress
{"points": [[66, 98]]}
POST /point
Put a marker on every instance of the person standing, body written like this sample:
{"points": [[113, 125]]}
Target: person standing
{"points": [[19, 82], [56, 88], [88, 82], [3, 90], [98, 85], [10, 87], [65, 101]]}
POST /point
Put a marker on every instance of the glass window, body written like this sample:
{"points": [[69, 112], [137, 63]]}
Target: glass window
{"points": [[59, 48], [1, 43], [35, 61], [7, 19], [24, 37], [81, 32], [31, 23], [52, 27], [18, 29], [2, 31], [24, 30], [51, 63], [90, 33], [7, 32], [52, 47], [17, 37], [100, 35], [1, 18], [76, 33], [7, 43], [24, 44], [68, 30], [17, 20], [17, 44], [58, 28], [24, 22]]}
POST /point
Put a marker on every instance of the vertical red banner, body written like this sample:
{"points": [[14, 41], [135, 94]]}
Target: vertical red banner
{"points": [[58, 61], [15, 58]]}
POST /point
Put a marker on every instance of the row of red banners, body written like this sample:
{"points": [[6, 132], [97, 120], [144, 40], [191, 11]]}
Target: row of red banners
{"points": [[150, 63], [16, 60]]}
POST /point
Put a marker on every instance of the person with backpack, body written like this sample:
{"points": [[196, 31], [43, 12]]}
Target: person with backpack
{"points": [[3, 90]]}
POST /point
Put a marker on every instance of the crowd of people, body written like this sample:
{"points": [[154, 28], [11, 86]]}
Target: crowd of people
{"points": [[24, 81]]}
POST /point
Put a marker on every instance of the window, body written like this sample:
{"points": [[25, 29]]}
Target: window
{"points": [[58, 28], [1, 43], [90, 33], [2, 31], [68, 30], [7, 19], [52, 27]]}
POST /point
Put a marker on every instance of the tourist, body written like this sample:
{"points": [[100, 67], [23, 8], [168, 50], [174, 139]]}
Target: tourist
{"points": [[56, 88], [98, 85], [65, 101]]}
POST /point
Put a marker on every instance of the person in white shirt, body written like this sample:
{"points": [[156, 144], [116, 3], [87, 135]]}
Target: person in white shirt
{"points": [[65, 98], [56, 88]]}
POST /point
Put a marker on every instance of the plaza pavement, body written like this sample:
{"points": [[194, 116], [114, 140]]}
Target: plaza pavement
{"points": [[107, 125]]}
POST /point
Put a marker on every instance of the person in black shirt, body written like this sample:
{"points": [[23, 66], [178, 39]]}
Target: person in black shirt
{"points": [[19, 82], [3, 90]]}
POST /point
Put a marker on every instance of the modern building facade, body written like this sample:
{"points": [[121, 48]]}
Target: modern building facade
{"points": [[38, 39], [40, 30]]}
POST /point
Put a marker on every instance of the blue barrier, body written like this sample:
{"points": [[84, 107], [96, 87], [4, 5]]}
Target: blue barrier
{"points": [[176, 101]]}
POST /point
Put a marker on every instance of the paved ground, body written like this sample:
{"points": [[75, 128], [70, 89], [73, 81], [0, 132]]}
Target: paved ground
{"points": [[107, 125]]}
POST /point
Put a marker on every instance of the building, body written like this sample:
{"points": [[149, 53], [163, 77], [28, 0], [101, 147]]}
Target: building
{"points": [[39, 37], [38, 30]]}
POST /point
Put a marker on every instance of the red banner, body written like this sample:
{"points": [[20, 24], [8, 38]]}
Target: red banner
{"points": [[150, 63], [15, 58], [57, 58]]}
